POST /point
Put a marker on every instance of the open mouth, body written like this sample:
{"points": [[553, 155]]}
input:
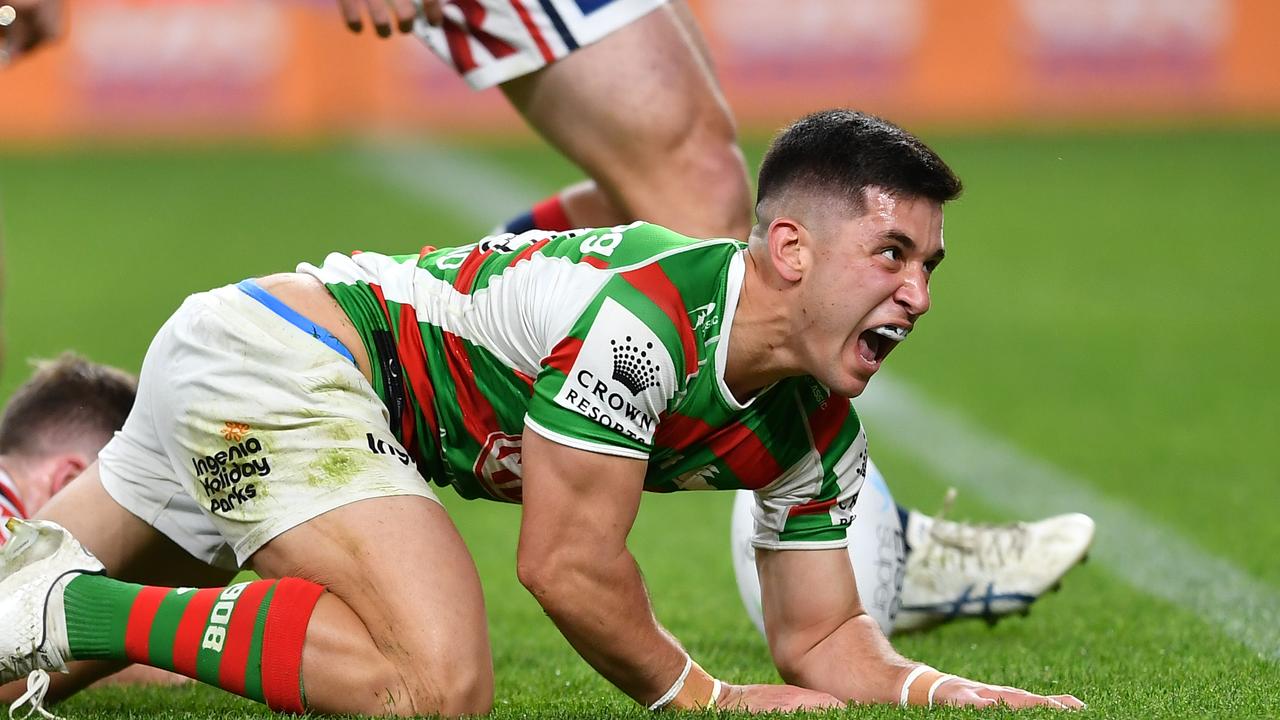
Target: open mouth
{"points": [[874, 345]]}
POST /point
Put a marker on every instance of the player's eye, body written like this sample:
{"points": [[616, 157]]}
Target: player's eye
{"points": [[892, 253]]}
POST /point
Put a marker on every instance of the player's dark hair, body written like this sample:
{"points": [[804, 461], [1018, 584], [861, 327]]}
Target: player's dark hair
{"points": [[843, 152], [63, 401]]}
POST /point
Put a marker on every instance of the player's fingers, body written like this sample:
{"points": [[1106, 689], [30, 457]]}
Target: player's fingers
{"points": [[17, 38], [1016, 698], [434, 11], [350, 10], [379, 16], [959, 694], [1070, 701], [404, 12], [817, 701]]}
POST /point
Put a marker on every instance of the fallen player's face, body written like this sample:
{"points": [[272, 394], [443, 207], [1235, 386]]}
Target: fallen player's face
{"points": [[867, 287]]}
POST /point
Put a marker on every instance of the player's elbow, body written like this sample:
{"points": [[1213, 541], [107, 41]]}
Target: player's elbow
{"points": [[792, 663], [806, 655], [541, 572]]}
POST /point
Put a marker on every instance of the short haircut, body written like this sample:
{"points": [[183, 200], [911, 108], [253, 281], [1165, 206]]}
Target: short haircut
{"points": [[843, 152], [68, 403]]}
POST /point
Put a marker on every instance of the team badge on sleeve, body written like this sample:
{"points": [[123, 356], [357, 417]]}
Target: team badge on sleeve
{"points": [[623, 375]]}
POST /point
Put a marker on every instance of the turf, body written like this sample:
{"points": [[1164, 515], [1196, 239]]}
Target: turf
{"points": [[1106, 305]]}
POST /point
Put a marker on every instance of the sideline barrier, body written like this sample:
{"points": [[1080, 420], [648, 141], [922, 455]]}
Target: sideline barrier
{"points": [[289, 68]]}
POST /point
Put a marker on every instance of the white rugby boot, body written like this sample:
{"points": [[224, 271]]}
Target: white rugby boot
{"points": [[963, 570], [35, 567]]}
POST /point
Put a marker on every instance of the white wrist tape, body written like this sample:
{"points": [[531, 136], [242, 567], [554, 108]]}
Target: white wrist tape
{"points": [[916, 672], [934, 687], [715, 692], [671, 694]]}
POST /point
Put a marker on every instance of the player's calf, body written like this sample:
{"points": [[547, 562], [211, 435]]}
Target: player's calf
{"points": [[246, 638]]}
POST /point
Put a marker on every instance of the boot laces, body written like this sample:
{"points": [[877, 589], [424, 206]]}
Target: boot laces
{"points": [[37, 687], [985, 545]]}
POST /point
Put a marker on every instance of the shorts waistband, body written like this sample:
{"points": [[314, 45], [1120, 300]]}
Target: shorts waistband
{"points": [[251, 288]]}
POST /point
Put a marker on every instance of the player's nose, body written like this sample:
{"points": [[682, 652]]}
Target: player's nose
{"points": [[913, 294]]}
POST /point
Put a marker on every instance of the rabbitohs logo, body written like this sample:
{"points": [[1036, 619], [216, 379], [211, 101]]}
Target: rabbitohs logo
{"points": [[498, 467]]}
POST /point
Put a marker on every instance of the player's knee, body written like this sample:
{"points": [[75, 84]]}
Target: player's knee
{"points": [[724, 193], [698, 183], [468, 692], [451, 688], [389, 692]]}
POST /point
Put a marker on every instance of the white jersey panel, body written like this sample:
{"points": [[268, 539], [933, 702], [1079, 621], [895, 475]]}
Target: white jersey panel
{"points": [[518, 317]]}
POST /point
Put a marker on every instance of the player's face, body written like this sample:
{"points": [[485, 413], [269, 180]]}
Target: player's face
{"points": [[867, 287]]}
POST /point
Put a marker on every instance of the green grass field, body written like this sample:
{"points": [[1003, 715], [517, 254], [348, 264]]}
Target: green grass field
{"points": [[1107, 307]]}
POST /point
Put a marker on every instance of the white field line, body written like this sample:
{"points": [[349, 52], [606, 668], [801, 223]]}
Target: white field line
{"points": [[1149, 556], [477, 191]]}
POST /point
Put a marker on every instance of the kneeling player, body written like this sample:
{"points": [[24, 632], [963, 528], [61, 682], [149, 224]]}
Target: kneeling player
{"points": [[568, 373]]}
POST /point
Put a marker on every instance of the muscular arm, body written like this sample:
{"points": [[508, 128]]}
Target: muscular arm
{"points": [[824, 641], [578, 509]]}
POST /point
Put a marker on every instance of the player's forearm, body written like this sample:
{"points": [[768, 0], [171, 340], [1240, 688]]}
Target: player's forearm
{"points": [[83, 673], [854, 663], [601, 607]]}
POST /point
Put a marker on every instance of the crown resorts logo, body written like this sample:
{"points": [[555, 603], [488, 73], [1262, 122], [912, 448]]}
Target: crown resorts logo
{"points": [[633, 367]]}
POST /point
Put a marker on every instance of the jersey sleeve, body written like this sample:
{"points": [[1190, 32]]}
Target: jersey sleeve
{"points": [[10, 506], [603, 386], [813, 509]]}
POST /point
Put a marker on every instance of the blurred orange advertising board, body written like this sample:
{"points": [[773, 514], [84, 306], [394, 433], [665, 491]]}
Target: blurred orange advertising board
{"points": [[999, 61], [142, 68]]}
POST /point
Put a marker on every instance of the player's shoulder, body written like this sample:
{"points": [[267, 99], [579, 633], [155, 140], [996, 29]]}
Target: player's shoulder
{"points": [[629, 247]]}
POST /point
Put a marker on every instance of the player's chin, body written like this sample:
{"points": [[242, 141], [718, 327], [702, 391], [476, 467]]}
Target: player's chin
{"points": [[849, 384]]}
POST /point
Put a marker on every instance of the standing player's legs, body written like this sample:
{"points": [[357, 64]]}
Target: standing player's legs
{"points": [[641, 113]]}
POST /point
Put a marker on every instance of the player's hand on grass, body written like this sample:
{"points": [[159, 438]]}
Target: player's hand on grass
{"points": [[27, 24], [961, 691], [388, 15], [763, 698]]}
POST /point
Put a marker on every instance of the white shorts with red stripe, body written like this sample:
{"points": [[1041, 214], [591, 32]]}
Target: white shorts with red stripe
{"points": [[490, 42]]}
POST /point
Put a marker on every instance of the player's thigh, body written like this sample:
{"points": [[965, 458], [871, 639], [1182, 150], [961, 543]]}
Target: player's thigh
{"points": [[647, 77], [639, 100], [400, 565]]}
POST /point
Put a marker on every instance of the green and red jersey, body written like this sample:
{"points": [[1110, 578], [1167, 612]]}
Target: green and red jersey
{"points": [[610, 340], [10, 504]]}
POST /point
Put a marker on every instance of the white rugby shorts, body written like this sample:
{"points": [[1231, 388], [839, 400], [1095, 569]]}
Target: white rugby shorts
{"points": [[489, 42], [246, 426]]}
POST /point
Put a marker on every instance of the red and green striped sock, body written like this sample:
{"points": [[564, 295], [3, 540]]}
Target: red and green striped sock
{"points": [[547, 214], [245, 638]]}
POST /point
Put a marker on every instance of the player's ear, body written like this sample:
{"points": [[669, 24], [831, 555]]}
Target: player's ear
{"points": [[787, 249], [65, 469]]}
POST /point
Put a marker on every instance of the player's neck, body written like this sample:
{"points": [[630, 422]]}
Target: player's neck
{"points": [[758, 354]]}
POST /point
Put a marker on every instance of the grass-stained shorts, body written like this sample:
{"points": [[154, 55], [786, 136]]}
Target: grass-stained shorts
{"points": [[246, 426]]}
